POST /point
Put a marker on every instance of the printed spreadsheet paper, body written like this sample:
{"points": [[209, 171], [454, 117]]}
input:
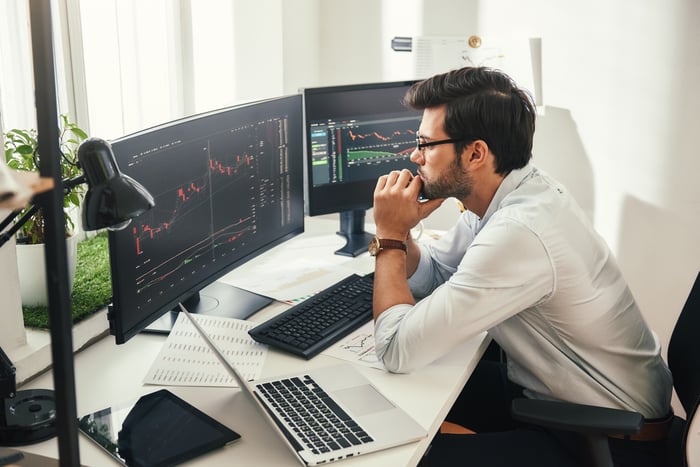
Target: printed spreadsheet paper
{"points": [[186, 360]]}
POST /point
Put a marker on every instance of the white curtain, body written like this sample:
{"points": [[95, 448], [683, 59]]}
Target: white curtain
{"points": [[16, 79]]}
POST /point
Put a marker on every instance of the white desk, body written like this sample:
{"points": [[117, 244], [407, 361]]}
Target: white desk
{"points": [[107, 374]]}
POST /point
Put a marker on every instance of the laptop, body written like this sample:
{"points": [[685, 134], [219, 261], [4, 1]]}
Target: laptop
{"points": [[354, 417]]}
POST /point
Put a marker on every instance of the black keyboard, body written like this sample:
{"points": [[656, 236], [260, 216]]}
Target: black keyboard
{"points": [[320, 321]]}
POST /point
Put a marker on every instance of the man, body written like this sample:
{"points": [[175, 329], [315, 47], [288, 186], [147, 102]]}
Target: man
{"points": [[524, 264]]}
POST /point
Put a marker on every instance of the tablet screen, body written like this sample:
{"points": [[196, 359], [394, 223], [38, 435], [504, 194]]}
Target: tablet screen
{"points": [[158, 429]]}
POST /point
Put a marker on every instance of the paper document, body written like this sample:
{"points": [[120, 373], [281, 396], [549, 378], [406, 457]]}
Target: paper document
{"points": [[186, 360], [293, 273], [357, 347]]}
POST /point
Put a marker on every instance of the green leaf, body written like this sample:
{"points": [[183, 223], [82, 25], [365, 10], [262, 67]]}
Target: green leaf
{"points": [[73, 198], [79, 133], [27, 137], [25, 149]]}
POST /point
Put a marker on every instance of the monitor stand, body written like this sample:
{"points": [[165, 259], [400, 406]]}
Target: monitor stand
{"points": [[216, 299], [352, 227]]}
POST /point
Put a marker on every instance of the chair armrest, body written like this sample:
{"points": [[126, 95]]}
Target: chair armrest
{"points": [[576, 417]]}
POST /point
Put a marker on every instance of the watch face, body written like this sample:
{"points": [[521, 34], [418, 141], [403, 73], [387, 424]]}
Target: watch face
{"points": [[373, 246]]}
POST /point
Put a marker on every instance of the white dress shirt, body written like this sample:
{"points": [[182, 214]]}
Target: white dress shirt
{"points": [[537, 277]]}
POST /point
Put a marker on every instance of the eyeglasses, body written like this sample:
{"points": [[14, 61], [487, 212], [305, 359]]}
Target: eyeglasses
{"points": [[420, 146]]}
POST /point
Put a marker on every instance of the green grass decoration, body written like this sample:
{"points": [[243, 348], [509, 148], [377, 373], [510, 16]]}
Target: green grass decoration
{"points": [[92, 289]]}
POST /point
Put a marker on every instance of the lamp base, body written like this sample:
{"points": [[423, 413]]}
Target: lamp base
{"points": [[28, 418]]}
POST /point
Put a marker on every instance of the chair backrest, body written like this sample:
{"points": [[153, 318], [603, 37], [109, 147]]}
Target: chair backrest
{"points": [[691, 438], [684, 362], [684, 350]]}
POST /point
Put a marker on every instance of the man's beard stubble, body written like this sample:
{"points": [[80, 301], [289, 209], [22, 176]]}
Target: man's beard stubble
{"points": [[456, 182]]}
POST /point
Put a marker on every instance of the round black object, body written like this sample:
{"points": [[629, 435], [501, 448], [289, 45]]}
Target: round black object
{"points": [[28, 418]]}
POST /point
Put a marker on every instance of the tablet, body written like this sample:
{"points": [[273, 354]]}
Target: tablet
{"points": [[158, 429]]}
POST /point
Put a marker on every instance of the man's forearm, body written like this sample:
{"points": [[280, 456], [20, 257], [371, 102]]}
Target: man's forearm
{"points": [[412, 256], [390, 284]]}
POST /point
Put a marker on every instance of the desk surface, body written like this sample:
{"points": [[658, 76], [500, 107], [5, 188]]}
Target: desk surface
{"points": [[107, 374]]}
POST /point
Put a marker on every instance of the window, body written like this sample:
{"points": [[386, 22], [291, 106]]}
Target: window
{"points": [[151, 62], [130, 64]]}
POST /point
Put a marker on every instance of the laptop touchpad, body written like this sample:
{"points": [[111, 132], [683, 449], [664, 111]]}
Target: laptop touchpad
{"points": [[363, 400]]}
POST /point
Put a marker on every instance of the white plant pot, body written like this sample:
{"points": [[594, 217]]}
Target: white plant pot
{"points": [[31, 265]]}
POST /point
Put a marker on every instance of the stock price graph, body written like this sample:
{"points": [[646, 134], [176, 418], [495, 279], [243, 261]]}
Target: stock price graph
{"points": [[375, 146], [208, 214], [190, 204], [366, 150], [359, 150]]}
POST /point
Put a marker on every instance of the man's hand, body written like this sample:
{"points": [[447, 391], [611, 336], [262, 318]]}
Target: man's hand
{"points": [[397, 208]]}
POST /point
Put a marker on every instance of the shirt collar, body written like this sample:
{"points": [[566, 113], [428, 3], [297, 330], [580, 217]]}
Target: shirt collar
{"points": [[511, 182]]}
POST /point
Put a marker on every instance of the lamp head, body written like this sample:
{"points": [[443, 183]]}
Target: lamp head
{"points": [[112, 198]]}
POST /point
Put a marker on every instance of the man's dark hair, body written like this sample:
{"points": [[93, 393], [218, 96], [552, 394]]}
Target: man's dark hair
{"points": [[482, 103]]}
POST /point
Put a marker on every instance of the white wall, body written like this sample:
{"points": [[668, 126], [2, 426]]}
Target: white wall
{"points": [[300, 43]]}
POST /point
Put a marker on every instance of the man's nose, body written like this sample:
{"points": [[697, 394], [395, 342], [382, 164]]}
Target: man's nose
{"points": [[417, 157]]}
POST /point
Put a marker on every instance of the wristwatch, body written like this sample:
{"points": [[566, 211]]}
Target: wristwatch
{"points": [[376, 245]]}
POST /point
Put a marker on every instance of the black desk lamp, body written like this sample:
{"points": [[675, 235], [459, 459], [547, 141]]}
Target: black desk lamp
{"points": [[111, 201]]}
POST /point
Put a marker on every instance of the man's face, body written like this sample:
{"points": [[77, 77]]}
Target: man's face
{"points": [[440, 168]]}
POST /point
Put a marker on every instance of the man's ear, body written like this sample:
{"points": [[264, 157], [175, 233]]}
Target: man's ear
{"points": [[477, 152]]}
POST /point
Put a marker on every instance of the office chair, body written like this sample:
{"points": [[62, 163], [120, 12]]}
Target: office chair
{"points": [[595, 424]]}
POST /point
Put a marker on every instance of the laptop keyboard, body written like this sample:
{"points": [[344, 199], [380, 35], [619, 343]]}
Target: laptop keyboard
{"points": [[320, 423], [320, 321]]}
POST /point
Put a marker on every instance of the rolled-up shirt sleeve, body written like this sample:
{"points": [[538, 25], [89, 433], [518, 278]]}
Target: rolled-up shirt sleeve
{"points": [[421, 282], [385, 329], [439, 260], [480, 294]]}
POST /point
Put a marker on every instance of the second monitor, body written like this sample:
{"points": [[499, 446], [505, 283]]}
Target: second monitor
{"points": [[354, 134]]}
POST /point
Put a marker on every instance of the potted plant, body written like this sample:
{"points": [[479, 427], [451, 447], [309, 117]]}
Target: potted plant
{"points": [[21, 154]]}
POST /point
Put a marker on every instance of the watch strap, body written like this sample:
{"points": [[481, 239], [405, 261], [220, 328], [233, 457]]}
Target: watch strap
{"points": [[389, 244], [378, 244]]}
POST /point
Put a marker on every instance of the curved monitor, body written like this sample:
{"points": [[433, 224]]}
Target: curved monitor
{"points": [[228, 186], [354, 134]]}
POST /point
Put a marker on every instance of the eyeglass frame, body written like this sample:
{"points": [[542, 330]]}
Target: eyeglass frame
{"points": [[420, 146]]}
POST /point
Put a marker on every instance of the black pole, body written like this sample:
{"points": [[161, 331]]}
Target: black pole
{"points": [[51, 202]]}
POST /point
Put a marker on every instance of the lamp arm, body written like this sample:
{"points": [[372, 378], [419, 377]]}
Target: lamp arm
{"points": [[5, 236], [8, 220], [68, 185]]}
